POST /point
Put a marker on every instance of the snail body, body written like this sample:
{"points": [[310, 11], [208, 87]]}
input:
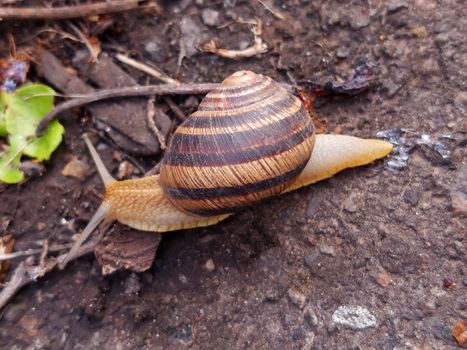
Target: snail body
{"points": [[249, 140]]}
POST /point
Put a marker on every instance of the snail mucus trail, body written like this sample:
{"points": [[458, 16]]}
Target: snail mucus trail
{"points": [[249, 140]]}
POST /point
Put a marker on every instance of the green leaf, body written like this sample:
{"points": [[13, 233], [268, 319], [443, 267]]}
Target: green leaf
{"points": [[8, 173], [20, 113], [26, 107], [3, 131]]}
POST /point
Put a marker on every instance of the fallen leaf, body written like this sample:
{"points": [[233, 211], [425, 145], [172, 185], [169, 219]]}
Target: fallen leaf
{"points": [[126, 249], [6, 247], [460, 332]]}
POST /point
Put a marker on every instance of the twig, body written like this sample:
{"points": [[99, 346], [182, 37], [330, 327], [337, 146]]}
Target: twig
{"points": [[28, 252], [148, 90], [173, 106], [26, 272], [147, 69], [258, 47], [274, 12], [94, 50], [76, 11], [152, 123]]}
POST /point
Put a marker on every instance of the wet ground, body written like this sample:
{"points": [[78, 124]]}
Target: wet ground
{"points": [[364, 260]]}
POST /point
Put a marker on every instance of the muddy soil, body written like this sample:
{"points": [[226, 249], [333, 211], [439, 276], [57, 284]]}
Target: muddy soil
{"points": [[361, 261]]}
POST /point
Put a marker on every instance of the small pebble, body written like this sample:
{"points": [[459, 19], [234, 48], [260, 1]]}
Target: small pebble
{"points": [[132, 285], [384, 279], [209, 265], [310, 317], [75, 168], [210, 17], [125, 170], [296, 298], [412, 197], [298, 333], [310, 259], [354, 317], [327, 249], [350, 205]]}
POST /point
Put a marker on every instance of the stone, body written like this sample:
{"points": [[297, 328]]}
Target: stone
{"points": [[132, 284], [460, 102], [327, 249], [156, 50], [210, 17], [412, 197], [296, 298], [354, 317], [310, 317], [209, 265], [396, 5], [310, 259]]}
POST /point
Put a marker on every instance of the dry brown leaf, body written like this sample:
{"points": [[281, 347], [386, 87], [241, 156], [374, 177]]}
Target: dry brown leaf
{"points": [[6, 247], [126, 249], [75, 168], [460, 332]]}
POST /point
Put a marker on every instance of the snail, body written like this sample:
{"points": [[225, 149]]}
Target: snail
{"points": [[249, 140]]}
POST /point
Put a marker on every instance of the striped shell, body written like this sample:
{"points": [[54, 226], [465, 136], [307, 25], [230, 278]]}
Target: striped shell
{"points": [[248, 140]]}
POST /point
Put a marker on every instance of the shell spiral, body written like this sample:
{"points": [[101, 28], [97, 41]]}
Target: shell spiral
{"points": [[248, 140]]}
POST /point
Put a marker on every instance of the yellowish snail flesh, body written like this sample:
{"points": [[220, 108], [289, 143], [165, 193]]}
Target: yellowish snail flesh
{"points": [[249, 140]]}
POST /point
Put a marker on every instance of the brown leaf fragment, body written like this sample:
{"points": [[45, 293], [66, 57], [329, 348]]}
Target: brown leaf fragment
{"points": [[6, 247], [75, 168], [460, 332], [126, 249]]}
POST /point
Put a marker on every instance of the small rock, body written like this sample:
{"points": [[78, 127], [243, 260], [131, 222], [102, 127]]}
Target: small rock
{"points": [[419, 32], [310, 317], [310, 259], [459, 202], [313, 205], [209, 265], [412, 197], [465, 281], [327, 249], [391, 87], [156, 50], [343, 52], [350, 205], [359, 18], [14, 312], [298, 333], [125, 170], [354, 317], [183, 333], [383, 279], [396, 5], [210, 17], [460, 102], [75, 168], [132, 284], [296, 298]]}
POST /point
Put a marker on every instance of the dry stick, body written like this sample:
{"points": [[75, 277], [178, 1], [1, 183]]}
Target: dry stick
{"points": [[147, 69], [28, 252], [76, 11], [27, 272], [174, 108], [148, 90], [152, 123]]}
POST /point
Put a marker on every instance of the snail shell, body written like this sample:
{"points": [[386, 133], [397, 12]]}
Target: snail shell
{"points": [[248, 141]]}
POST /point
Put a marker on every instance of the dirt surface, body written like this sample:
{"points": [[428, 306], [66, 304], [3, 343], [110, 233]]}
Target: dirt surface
{"points": [[361, 261]]}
